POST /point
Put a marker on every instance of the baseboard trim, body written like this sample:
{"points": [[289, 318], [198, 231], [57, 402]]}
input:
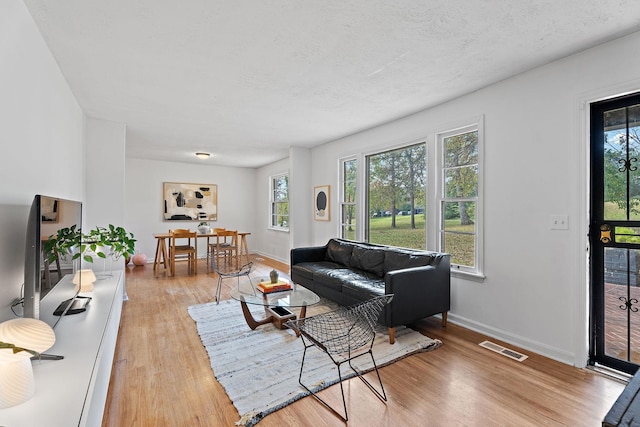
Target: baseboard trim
{"points": [[526, 344]]}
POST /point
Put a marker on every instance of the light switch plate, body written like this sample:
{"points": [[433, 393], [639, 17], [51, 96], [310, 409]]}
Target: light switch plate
{"points": [[559, 222]]}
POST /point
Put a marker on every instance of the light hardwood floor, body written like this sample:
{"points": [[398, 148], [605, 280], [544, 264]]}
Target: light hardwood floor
{"points": [[161, 374]]}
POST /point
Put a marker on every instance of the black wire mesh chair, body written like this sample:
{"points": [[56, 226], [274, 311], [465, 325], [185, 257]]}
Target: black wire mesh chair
{"points": [[344, 335], [245, 270]]}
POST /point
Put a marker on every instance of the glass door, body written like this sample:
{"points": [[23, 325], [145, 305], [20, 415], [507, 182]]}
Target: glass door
{"points": [[615, 233]]}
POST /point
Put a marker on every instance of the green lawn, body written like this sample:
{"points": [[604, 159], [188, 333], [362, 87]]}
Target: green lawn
{"points": [[380, 231], [460, 246]]}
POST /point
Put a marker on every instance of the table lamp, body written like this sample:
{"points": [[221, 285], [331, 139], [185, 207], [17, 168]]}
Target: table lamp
{"points": [[83, 279], [20, 339]]}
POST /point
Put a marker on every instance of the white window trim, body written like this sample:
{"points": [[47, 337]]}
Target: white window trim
{"points": [[341, 194], [476, 273], [272, 201]]}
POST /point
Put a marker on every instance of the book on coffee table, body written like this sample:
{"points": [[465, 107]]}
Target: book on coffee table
{"points": [[267, 287]]}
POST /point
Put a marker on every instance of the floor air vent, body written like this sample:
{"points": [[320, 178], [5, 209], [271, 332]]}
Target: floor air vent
{"points": [[503, 350]]}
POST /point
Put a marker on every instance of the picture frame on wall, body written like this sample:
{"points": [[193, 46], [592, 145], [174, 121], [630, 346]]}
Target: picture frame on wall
{"points": [[321, 203], [189, 202]]}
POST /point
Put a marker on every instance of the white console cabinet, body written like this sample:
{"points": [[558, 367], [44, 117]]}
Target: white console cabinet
{"points": [[73, 391]]}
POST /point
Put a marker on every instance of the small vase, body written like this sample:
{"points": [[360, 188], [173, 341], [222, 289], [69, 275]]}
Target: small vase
{"points": [[274, 276]]}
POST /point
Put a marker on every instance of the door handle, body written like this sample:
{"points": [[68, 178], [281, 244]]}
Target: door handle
{"points": [[605, 233]]}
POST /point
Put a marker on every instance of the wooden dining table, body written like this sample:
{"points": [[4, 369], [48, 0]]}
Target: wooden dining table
{"points": [[162, 259]]}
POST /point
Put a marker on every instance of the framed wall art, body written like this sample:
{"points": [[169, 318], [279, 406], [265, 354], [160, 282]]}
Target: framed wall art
{"points": [[321, 208], [190, 202]]}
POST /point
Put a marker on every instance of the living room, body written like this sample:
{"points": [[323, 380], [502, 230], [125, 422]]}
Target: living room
{"points": [[534, 290]]}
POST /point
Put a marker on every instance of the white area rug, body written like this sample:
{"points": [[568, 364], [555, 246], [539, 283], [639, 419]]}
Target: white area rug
{"points": [[259, 369]]}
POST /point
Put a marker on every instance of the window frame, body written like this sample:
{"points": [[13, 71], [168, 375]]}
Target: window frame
{"points": [[366, 162], [273, 202], [477, 271], [342, 203]]}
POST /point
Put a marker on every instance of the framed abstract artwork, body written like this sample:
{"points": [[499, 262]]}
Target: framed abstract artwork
{"points": [[189, 202], [321, 208]]}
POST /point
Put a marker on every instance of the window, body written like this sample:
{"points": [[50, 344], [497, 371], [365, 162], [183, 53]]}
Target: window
{"points": [[400, 208], [396, 197], [459, 198], [280, 202], [348, 178]]}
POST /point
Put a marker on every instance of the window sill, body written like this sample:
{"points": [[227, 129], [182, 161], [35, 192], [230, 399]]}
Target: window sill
{"points": [[280, 229], [473, 277]]}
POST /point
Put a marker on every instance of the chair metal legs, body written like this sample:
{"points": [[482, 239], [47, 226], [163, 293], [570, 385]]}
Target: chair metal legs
{"points": [[381, 394], [245, 270]]}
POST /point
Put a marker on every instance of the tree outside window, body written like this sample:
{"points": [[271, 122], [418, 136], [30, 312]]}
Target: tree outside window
{"points": [[280, 202], [396, 197], [458, 233]]}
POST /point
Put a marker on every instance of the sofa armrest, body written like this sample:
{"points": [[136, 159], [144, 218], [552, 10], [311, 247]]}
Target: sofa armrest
{"points": [[308, 254], [419, 292]]}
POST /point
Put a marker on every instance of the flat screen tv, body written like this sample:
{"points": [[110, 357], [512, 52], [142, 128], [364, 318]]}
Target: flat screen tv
{"points": [[46, 216]]}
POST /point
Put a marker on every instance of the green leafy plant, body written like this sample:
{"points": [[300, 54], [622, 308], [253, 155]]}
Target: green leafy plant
{"points": [[71, 240], [67, 240]]}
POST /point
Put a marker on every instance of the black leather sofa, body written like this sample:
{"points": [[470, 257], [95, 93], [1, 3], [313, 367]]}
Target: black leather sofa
{"points": [[350, 272]]}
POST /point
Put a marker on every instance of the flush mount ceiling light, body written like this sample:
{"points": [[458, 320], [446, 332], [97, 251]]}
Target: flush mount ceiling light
{"points": [[202, 155]]}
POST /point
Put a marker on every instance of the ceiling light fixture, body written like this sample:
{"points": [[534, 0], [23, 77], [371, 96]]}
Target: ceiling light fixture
{"points": [[202, 155]]}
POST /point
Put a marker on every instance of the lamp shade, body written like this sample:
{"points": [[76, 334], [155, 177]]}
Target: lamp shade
{"points": [[83, 279], [17, 384]]}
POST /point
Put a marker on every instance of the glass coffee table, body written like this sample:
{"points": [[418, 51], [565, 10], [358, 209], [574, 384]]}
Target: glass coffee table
{"points": [[277, 305]]}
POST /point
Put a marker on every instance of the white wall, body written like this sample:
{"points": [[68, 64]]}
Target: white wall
{"points": [[41, 134], [105, 183], [273, 243], [237, 207], [536, 150], [105, 173], [300, 194]]}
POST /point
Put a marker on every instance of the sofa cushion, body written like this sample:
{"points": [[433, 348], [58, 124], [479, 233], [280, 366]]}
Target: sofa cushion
{"points": [[303, 269], [368, 259], [333, 278], [339, 252], [363, 289], [398, 259]]}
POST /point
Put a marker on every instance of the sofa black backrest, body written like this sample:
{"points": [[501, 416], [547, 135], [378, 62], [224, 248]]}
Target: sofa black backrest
{"points": [[339, 251], [374, 258]]}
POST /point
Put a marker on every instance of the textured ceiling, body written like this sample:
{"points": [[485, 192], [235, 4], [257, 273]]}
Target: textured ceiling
{"points": [[245, 80]]}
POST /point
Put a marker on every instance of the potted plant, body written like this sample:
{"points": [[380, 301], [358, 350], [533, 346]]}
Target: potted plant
{"points": [[117, 238], [67, 240], [71, 240]]}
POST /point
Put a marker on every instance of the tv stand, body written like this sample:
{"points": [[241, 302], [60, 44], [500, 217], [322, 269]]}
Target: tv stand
{"points": [[71, 389]]}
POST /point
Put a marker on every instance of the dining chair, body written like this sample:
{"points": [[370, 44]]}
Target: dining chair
{"points": [[344, 335], [179, 249], [226, 247], [212, 245]]}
